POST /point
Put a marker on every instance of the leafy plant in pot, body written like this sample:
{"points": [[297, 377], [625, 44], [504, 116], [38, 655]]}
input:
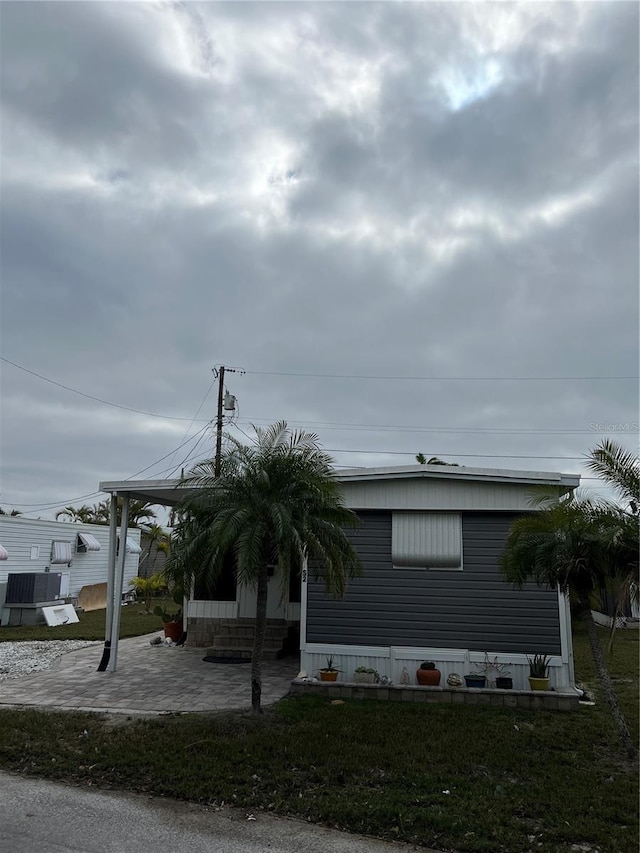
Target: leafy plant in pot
{"points": [[475, 679], [172, 622], [365, 675], [329, 672], [427, 675], [539, 672]]}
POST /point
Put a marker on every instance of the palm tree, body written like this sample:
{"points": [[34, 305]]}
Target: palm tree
{"points": [[421, 459], [155, 538], [276, 502], [580, 546], [83, 514], [139, 512]]}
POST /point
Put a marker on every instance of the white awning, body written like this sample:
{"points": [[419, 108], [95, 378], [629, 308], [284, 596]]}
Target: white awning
{"points": [[132, 547], [60, 553], [4, 554], [89, 541]]}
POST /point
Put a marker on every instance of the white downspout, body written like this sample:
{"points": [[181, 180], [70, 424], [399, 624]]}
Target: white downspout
{"points": [[304, 582]]}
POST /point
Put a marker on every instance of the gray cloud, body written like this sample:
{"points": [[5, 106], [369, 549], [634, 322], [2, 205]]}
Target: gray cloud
{"points": [[379, 189]]}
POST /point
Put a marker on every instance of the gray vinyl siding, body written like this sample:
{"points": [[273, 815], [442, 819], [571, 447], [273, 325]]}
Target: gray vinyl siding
{"points": [[470, 609]]}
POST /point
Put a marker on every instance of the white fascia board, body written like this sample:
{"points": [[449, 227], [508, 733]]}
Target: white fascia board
{"points": [[444, 472]]}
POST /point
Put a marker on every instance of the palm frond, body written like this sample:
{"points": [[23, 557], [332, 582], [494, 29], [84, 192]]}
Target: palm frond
{"points": [[619, 468]]}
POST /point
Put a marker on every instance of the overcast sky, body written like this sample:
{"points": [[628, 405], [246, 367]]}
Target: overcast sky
{"points": [[444, 194]]}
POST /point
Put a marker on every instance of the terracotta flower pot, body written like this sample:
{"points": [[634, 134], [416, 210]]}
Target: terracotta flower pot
{"points": [[428, 677], [328, 675], [173, 630]]}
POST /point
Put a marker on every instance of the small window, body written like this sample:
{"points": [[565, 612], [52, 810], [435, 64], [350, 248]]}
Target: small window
{"points": [[426, 540]]}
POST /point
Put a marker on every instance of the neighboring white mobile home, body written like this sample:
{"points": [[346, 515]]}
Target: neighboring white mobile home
{"points": [[78, 552]]}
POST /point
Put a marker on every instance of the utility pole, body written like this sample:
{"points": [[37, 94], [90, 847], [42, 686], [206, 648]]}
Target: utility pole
{"points": [[219, 420], [226, 402]]}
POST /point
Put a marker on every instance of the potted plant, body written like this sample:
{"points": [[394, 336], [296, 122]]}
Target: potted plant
{"points": [[172, 622], [329, 672], [365, 675], [427, 675], [475, 679], [539, 672]]}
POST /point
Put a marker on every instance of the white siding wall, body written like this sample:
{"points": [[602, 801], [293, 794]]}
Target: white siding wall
{"points": [[19, 535], [437, 494], [391, 662]]}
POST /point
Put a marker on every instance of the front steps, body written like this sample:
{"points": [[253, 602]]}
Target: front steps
{"points": [[235, 639]]}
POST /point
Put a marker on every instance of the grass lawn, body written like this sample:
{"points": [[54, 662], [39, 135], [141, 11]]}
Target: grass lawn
{"points": [[133, 623], [450, 777]]}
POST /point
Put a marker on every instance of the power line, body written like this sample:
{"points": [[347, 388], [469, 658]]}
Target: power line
{"points": [[435, 378], [354, 427], [471, 455], [90, 396], [363, 427], [67, 501]]}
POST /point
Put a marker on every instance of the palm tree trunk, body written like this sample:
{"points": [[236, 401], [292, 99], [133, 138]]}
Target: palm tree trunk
{"points": [[605, 680], [258, 640]]}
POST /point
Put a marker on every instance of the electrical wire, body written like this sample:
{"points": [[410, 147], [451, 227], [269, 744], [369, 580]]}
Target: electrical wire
{"points": [[354, 427], [358, 427], [68, 501], [436, 378], [188, 430], [90, 396]]}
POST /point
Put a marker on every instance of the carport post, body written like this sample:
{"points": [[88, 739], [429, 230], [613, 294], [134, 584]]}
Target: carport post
{"points": [[117, 586], [111, 572]]}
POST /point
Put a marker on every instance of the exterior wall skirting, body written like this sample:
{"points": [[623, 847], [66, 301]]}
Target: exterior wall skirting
{"points": [[391, 661], [521, 699]]}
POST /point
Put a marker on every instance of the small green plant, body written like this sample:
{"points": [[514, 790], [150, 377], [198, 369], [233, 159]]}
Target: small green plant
{"points": [[366, 669], [428, 664], [167, 616], [539, 666], [329, 667]]}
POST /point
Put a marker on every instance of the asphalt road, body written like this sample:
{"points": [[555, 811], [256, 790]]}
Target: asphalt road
{"points": [[38, 816]]}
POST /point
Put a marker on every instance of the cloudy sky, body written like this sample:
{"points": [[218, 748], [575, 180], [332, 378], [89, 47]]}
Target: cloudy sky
{"points": [[414, 226]]}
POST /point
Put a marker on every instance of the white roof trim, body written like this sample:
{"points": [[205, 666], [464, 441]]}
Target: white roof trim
{"points": [[451, 472], [89, 541], [4, 554], [170, 492]]}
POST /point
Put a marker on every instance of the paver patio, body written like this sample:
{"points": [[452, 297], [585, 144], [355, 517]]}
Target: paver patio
{"points": [[149, 680]]}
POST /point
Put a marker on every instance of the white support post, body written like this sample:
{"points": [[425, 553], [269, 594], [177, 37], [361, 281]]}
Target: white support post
{"points": [[117, 586], [566, 638], [304, 582], [111, 573]]}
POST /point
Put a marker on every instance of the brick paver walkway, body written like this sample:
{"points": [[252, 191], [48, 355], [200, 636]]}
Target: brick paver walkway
{"points": [[149, 679]]}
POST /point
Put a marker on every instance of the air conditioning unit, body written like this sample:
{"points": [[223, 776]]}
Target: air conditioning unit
{"points": [[31, 587]]}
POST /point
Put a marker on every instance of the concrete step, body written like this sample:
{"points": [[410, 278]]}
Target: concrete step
{"points": [[249, 631], [222, 642], [237, 652]]}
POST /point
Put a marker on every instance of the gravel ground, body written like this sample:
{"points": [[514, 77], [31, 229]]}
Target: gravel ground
{"points": [[18, 659]]}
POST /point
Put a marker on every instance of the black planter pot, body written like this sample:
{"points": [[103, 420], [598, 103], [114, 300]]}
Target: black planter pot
{"points": [[504, 683]]}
